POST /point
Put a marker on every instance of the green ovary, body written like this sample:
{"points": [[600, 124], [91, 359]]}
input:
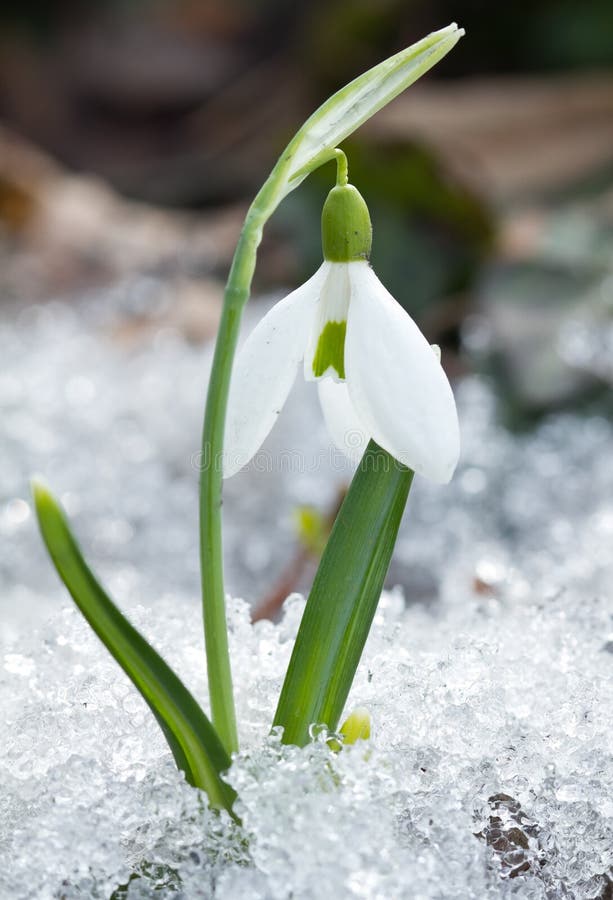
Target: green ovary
{"points": [[330, 350]]}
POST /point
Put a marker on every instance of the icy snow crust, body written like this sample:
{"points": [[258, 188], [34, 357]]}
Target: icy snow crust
{"points": [[490, 771]]}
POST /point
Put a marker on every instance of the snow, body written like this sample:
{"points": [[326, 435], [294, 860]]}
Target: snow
{"points": [[487, 674]]}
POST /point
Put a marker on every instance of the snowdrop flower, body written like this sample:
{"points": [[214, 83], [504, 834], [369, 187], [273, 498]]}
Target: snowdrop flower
{"points": [[377, 375]]}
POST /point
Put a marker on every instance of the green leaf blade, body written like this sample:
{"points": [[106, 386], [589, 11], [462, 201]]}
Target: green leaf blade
{"points": [[344, 597], [193, 741]]}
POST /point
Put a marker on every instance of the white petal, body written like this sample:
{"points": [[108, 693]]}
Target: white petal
{"points": [[396, 384], [264, 372], [341, 419]]}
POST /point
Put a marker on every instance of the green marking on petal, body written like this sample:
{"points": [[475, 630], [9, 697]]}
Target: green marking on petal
{"points": [[330, 350]]}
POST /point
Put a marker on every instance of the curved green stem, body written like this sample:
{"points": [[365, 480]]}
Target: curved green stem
{"points": [[211, 546]]}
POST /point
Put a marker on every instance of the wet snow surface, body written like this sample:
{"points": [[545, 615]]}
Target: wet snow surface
{"points": [[490, 771]]}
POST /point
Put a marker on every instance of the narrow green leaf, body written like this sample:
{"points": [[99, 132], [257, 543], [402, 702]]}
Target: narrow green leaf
{"points": [[344, 597], [192, 739]]}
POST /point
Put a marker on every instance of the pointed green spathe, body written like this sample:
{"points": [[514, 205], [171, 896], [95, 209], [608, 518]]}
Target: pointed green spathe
{"points": [[350, 107]]}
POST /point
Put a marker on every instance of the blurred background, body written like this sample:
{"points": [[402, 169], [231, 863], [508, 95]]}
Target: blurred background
{"points": [[135, 133]]}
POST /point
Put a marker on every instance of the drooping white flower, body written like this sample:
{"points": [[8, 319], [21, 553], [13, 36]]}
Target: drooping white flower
{"points": [[376, 373]]}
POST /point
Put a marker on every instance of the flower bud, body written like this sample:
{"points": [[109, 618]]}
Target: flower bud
{"points": [[356, 726]]}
